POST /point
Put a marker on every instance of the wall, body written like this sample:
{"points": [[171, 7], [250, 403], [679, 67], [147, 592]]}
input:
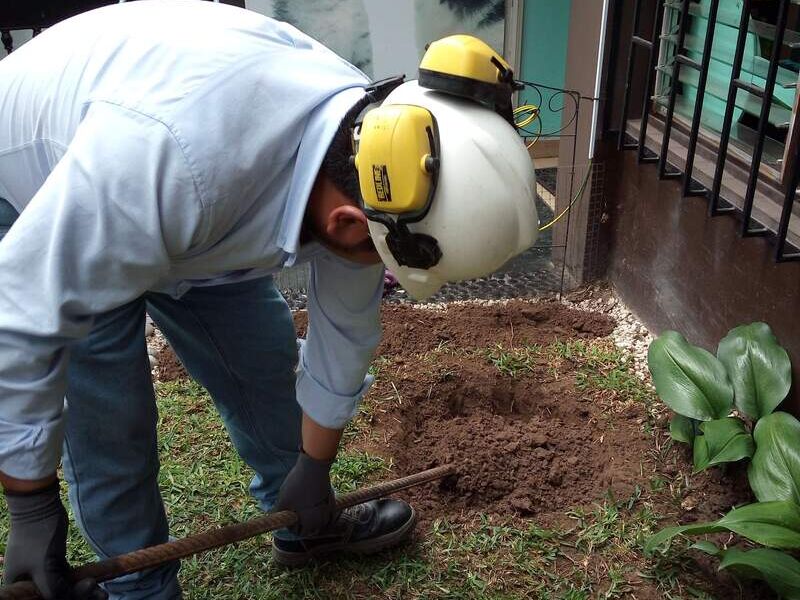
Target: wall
{"points": [[677, 268], [578, 228], [545, 29], [672, 264], [387, 37]]}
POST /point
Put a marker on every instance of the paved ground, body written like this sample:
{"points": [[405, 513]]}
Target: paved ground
{"points": [[547, 179]]}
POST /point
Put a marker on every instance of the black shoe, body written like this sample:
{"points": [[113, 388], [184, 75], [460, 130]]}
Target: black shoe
{"points": [[363, 529]]}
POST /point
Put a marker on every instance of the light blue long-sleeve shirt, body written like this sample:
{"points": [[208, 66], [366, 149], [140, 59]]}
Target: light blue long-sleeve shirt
{"points": [[156, 146]]}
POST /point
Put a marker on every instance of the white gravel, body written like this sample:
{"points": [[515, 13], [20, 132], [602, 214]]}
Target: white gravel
{"points": [[629, 335]]}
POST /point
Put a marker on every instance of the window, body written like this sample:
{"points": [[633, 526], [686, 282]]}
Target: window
{"points": [[755, 66], [722, 82]]}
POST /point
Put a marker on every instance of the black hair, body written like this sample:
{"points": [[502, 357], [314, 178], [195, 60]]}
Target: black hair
{"points": [[336, 165]]}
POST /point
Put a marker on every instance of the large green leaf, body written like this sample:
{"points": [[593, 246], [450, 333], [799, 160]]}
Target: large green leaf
{"points": [[681, 429], [774, 472], [707, 547], [774, 524], [690, 380], [723, 440], [666, 534], [758, 367], [779, 570]]}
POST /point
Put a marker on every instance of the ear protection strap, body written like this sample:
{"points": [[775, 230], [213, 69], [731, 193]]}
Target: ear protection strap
{"points": [[378, 90]]}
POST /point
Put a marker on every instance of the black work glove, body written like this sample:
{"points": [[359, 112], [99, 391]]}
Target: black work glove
{"points": [[37, 546], [307, 491]]}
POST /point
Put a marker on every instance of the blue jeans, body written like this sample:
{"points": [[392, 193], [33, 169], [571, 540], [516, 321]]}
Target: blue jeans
{"points": [[238, 341]]}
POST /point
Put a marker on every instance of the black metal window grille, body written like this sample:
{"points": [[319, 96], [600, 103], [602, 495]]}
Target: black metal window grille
{"points": [[670, 26]]}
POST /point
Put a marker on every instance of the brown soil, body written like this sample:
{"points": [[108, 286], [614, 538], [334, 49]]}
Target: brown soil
{"points": [[530, 445], [408, 331], [169, 367]]}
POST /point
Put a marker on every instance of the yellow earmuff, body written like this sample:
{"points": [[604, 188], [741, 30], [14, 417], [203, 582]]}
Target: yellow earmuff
{"points": [[465, 66], [397, 158]]}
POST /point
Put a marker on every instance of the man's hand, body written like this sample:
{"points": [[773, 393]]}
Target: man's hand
{"points": [[37, 545], [307, 491]]}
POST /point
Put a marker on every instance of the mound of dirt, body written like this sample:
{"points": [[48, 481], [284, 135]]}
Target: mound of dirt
{"points": [[531, 444]]}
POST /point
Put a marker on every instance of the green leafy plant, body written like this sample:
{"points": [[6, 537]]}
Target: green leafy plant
{"points": [[758, 368], [752, 373], [722, 440]]}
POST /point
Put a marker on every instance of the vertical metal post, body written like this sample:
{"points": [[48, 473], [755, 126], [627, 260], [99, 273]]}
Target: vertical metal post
{"points": [[705, 61], [629, 77], [673, 93], [725, 134], [786, 215], [766, 104], [649, 84], [576, 98]]}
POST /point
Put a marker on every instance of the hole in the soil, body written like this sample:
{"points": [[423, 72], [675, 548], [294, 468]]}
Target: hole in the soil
{"points": [[449, 483], [503, 401], [496, 400]]}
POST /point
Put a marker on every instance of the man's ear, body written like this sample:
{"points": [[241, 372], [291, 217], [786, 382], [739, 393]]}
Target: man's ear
{"points": [[347, 224]]}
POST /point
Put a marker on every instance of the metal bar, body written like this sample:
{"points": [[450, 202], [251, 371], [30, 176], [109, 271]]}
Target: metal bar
{"points": [[749, 87], [640, 41], [640, 155], [763, 121], [786, 215], [621, 145], [725, 134], [685, 60], [576, 98], [673, 94], [153, 556], [705, 61], [612, 41]]}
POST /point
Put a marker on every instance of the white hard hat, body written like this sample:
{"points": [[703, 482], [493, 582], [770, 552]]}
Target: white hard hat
{"points": [[454, 203]]}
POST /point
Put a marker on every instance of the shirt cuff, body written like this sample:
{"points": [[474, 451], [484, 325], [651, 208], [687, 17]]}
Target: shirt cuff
{"points": [[30, 451], [324, 407]]}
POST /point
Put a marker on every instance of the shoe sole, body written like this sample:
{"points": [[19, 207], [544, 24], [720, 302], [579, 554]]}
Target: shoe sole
{"points": [[371, 546]]}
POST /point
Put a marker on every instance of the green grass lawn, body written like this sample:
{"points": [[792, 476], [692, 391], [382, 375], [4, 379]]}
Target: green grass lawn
{"points": [[594, 553]]}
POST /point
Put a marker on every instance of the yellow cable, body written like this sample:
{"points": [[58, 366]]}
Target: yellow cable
{"points": [[536, 137], [526, 108], [533, 116], [573, 201]]}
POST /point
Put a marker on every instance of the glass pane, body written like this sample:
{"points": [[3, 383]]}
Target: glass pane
{"points": [[758, 49]]}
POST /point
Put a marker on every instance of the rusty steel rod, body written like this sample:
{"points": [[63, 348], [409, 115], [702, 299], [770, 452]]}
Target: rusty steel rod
{"points": [[153, 556]]}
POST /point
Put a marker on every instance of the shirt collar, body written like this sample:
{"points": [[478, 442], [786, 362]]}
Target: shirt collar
{"points": [[317, 136]]}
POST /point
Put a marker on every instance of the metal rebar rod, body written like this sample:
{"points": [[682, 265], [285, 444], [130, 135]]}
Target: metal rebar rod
{"points": [[153, 556]]}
